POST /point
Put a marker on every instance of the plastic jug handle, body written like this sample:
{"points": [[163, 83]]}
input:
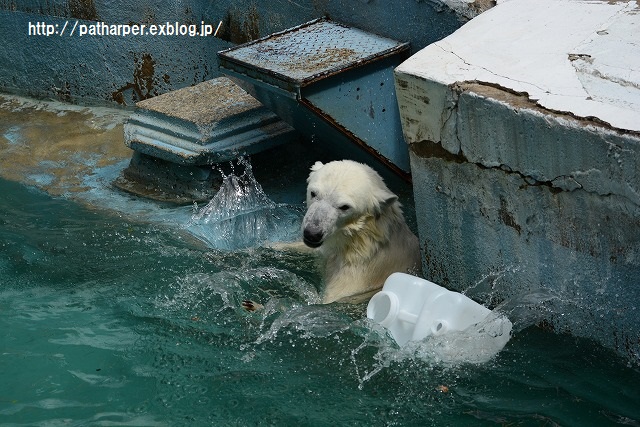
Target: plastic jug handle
{"points": [[405, 316]]}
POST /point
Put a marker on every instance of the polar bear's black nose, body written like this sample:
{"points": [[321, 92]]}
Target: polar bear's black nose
{"points": [[312, 238]]}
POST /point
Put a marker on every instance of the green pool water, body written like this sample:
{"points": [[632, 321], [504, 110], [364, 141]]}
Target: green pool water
{"points": [[109, 318]]}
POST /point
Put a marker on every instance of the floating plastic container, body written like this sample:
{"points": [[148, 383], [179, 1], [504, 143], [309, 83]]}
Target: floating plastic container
{"points": [[412, 309]]}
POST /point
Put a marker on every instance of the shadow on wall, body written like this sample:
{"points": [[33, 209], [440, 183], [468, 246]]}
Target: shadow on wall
{"points": [[238, 29], [83, 9], [78, 9]]}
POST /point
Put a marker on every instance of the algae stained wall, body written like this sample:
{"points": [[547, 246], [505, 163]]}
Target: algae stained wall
{"points": [[125, 69]]}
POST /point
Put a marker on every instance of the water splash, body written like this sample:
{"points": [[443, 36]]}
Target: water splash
{"points": [[476, 345], [241, 214], [238, 195]]}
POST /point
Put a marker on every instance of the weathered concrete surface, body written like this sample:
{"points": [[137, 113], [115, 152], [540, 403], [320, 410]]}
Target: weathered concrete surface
{"points": [[525, 150], [179, 135], [579, 57], [55, 146], [208, 123], [129, 69]]}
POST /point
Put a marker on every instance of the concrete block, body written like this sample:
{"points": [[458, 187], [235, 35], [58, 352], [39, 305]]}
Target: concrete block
{"points": [[524, 138], [208, 123]]}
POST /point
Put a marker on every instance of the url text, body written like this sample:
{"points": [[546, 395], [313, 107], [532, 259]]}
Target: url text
{"points": [[43, 28]]}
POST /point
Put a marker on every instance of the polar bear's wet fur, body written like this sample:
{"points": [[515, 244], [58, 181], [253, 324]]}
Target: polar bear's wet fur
{"points": [[356, 226]]}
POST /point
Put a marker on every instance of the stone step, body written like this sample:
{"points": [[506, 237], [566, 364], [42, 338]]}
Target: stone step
{"points": [[208, 123]]}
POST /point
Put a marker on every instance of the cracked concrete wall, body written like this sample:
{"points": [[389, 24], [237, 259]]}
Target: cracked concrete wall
{"points": [[550, 148], [532, 210]]}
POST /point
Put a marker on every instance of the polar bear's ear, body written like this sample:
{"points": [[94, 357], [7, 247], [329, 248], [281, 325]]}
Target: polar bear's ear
{"points": [[316, 166], [389, 200], [385, 199]]}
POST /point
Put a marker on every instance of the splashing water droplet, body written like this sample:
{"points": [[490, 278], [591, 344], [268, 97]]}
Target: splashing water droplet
{"points": [[241, 214]]}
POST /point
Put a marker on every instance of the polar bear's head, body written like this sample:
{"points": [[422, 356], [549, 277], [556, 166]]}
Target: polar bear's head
{"points": [[342, 197]]}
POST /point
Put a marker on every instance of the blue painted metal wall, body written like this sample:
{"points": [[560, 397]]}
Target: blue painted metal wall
{"points": [[116, 69]]}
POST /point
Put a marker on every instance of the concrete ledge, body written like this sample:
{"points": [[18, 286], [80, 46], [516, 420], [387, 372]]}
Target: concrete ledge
{"points": [[570, 56], [524, 135], [211, 122]]}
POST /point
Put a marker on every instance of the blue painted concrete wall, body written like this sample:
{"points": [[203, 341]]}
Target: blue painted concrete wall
{"points": [[124, 70]]}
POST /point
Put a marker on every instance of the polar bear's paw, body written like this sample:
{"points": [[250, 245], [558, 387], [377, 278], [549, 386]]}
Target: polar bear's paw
{"points": [[251, 306]]}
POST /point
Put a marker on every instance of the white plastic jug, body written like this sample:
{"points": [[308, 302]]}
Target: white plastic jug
{"points": [[412, 308]]}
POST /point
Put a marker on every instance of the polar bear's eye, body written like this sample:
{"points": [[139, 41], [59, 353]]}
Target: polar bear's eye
{"points": [[344, 207], [313, 194]]}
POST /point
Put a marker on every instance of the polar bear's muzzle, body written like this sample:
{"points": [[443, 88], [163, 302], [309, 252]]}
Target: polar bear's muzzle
{"points": [[312, 238], [318, 223]]}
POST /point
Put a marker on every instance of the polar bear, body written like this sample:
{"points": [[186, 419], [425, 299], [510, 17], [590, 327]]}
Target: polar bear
{"points": [[355, 225]]}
